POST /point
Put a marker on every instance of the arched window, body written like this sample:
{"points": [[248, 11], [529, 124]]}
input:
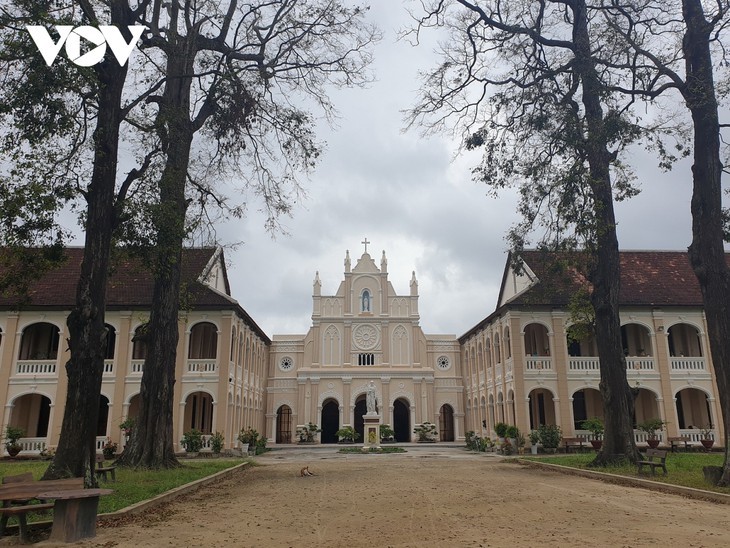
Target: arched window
{"points": [[365, 301]]}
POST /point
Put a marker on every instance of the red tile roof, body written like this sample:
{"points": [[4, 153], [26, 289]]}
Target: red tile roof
{"points": [[648, 278], [130, 285]]}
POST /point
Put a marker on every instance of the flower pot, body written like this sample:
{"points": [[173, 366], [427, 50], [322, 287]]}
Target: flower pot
{"points": [[653, 443], [707, 444], [533, 449], [13, 450], [597, 444]]}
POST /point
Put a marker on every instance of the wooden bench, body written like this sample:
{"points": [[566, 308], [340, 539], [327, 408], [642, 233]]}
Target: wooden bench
{"points": [[677, 441], [17, 492], [573, 442], [102, 470], [649, 461]]}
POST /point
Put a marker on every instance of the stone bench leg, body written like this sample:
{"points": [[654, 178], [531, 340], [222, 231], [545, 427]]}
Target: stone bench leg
{"points": [[74, 519]]}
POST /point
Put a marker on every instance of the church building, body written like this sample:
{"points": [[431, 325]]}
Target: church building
{"points": [[364, 332]]}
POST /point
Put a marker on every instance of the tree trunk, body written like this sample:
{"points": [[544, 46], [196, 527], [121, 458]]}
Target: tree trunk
{"points": [[706, 253], [75, 455], [151, 444], [604, 267]]}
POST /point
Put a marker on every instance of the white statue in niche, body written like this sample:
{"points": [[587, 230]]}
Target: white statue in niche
{"points": [[370, 400], [366, 301]]}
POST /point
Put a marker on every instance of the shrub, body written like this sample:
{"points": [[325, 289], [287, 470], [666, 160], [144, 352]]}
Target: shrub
{"points": [[347, 434], [386, 433], [594, 426], [549, 435], [501, 429], [511, 432], [192, 440], [426, 431], [216, 442]]}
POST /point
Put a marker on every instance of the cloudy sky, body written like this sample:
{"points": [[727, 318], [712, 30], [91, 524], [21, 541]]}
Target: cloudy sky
{"points": [[415, 199]]}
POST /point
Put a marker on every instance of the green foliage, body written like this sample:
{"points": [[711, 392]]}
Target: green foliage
{"points": [[216, 442], [386, 433], [248, 436], [534, 437], [128, 425], [581, 316], [348, 434], [12, 435], [306, 433], [501, 429], [192, 440], [426, 431], [511, 432], [651, 426], [359, 450], [549, 436], [594, 425]]}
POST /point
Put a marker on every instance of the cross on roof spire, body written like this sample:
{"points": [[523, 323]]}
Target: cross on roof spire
{"points": [[365, 241]]}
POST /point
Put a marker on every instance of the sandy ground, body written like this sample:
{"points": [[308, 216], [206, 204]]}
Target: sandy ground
{"points": [[435, 497]]}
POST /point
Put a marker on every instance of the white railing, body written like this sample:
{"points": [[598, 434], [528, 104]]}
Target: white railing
{"points": [[202, 366], [206, 442], [36, 367], [32, 445], [137, 367], [538, 363], [584, 364], [100, 443], [687, 364], [694, 435], [640, 437], [639, 363], [108, 367]]}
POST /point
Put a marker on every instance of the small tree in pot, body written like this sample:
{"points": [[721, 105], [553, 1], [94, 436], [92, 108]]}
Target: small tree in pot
{"points": [[706, 438], [347, 434], [651, 427], [550, 436], [595, 427], [12, 435]]}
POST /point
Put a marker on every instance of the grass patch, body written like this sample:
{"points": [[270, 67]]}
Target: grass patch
{"points": [[359, 451], [134, 486], [683, 469]]}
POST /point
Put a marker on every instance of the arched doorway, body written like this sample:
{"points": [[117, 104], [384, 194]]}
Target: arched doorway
{"points": [[360, 409], [446, 423], [402, 420], [31, 412], [199, 412], [103, 416], [542, 408], [283, 424], [330, 421]]}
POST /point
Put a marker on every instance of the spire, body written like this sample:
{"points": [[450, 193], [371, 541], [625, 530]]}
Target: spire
{"points": [[414, 285], [384, 263], [317, 285], [347, 261]]}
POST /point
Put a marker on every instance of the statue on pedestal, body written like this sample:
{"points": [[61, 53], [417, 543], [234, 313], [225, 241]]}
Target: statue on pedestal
{"points": [[371, 401]]}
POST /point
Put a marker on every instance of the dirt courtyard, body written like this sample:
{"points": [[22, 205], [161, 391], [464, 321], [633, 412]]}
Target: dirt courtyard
{"points": [[438, 497]]}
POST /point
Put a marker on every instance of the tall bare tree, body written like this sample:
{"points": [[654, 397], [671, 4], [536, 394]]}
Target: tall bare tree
{"points": [[64, 98], [233, 78], [520, 79], [668, 53]]}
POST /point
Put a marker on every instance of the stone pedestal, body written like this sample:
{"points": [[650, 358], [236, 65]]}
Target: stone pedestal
{"points": [[371, 429]]}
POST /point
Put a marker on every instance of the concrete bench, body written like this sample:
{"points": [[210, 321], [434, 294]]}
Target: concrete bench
{"points": [[649, 461], [677, 441]]}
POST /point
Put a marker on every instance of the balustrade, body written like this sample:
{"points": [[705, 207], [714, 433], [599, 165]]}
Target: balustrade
{"points": [[687, 364], [202, 366], [36, 367]]}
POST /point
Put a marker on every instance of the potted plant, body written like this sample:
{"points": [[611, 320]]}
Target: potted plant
{"points": [[347, 434], [706, 438], [12, 435], [192, 442], [110, 449], [306, 433], [651, 427], [387, 434], [216, 443], [534, 440], [126, 427], [511, 433], [501, 430], [426, 432], [249, 439], [520, 442], [549, 436], [596, 428]]}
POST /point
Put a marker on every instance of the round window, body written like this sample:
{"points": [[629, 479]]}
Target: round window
{"points": [[443, 363], [286, 364]]}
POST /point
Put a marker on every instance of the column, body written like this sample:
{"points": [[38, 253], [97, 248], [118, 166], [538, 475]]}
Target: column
{"points": [[9, 354], [559, 352]]}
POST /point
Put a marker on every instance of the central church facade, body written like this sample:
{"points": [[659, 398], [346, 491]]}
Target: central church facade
{"points": [[364, 332]]}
